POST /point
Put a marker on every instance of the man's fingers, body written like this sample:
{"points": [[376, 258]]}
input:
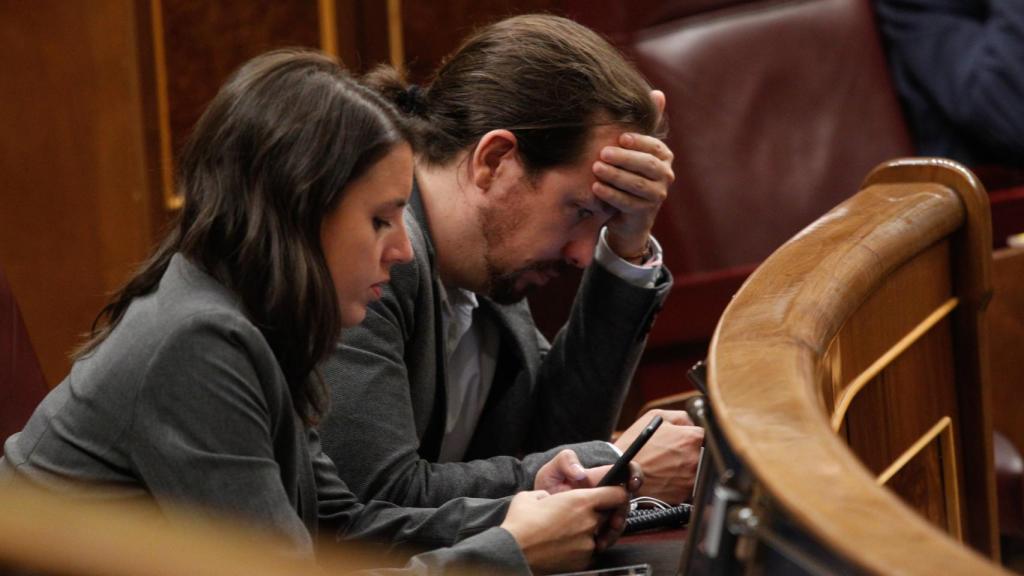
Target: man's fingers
{"points": [[635, 184], [643, 163], [645, 143], [677, 417], [623, 201]]}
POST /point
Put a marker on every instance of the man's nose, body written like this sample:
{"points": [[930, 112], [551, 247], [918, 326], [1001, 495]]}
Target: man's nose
{"points": [[579, 252]]}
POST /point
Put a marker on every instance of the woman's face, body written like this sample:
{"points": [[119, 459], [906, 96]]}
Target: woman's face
{"points": [[365, 234]]}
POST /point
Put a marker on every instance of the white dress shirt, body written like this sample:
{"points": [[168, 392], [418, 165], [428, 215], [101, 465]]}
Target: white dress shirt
{"points": [[472, 347]]}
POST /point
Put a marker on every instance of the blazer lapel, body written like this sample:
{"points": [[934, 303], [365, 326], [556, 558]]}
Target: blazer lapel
{"points": [[502, 427], [430, 443]]}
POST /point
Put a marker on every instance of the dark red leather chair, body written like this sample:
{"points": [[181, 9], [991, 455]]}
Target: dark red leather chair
{"points": [[22, 385]]}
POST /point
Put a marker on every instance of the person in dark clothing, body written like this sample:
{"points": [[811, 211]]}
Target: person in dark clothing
{"points": [[958, 66]]}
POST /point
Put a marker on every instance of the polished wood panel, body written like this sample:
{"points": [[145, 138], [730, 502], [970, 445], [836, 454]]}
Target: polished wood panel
{"points": [[206, 41], [972, 284], [75, 201], [892, 311], [915, 389], [897, 409], [362, 31], [193, 48], [771, 348], [1006, 324], [922, 485]]}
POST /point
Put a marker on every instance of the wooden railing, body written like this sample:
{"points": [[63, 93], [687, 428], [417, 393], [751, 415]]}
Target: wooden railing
{"points": [[848, 380]]}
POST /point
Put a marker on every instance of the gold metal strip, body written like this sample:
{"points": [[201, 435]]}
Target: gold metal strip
{"points": [[328, 14], [884, 360], [396, 48], [914, 449], [836, 369], [172, 200], [950, 484]]}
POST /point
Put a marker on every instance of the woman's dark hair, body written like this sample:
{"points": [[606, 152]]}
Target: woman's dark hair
{"points": [[547, 79], [269, 158]]}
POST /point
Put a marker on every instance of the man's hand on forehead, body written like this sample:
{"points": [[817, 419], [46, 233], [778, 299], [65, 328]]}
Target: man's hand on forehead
{"points": [[633, 179]]}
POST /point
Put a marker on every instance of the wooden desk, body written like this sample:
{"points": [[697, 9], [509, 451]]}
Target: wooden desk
{"points": [[663, 550]]}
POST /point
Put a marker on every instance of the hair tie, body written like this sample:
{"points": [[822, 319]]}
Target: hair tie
{"points": [[412, 101]]}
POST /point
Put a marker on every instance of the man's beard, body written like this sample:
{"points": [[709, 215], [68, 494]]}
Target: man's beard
{"points": [[497, 225], [504, 288]]}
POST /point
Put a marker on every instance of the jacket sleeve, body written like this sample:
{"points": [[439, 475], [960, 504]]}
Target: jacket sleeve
{"points": [[463, 533], [970, 64], [584, 376], [202, 436], [201, 431]]}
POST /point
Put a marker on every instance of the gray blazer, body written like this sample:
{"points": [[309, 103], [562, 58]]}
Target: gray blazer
{"points": [[185, 403], [387, 381]]}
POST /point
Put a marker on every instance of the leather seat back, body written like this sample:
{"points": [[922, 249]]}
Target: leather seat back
{"points": [[777, 109], [22, 385]]}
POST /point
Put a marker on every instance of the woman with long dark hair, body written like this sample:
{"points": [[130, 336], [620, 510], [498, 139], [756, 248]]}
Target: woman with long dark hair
{"points": [[199, 385]]}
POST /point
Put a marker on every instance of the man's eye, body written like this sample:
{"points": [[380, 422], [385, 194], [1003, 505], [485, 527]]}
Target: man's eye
{"points": [[380, 224], [584, 213]]}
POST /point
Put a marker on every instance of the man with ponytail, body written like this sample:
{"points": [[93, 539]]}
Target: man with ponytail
{"points": [[537, 150]]}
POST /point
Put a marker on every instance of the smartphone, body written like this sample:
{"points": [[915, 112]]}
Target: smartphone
{"points": [[619, 473]]}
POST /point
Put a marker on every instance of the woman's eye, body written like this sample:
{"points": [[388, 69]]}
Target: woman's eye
{"points": [[380, 224]]}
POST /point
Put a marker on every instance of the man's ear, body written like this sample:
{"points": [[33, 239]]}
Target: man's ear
{"points": [[491, 157]]}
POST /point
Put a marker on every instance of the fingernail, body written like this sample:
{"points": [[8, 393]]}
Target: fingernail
{"points": [[634, 480], [627, 138]]}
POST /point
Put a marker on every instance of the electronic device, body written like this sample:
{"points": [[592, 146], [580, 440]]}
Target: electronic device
{"points": [[619, 473]]}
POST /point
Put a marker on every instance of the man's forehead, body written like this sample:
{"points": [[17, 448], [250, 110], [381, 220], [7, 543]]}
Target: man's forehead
{"points": [[584, 196]]}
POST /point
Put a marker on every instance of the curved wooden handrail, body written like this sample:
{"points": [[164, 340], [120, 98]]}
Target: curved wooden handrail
{"points": [[765, 358], [51, 534], [48, 533]]}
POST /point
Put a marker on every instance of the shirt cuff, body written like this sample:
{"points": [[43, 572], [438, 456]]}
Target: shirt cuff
{"points": [[644, 276]]}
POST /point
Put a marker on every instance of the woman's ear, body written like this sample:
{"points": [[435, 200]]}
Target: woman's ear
{"points": [[492, 157]]}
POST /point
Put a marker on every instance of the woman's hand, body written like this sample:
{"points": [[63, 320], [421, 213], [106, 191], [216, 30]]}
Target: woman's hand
{"points": [[559, 532], [564, 472]]}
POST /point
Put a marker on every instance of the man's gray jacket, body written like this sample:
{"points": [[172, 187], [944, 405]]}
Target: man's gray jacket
{"points": [[388, 398]]}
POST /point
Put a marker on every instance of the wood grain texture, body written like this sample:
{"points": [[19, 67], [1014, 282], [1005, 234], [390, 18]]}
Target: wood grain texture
{"points": [[769, 350], [75, 212], [1006, 326], [206, 41]]}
